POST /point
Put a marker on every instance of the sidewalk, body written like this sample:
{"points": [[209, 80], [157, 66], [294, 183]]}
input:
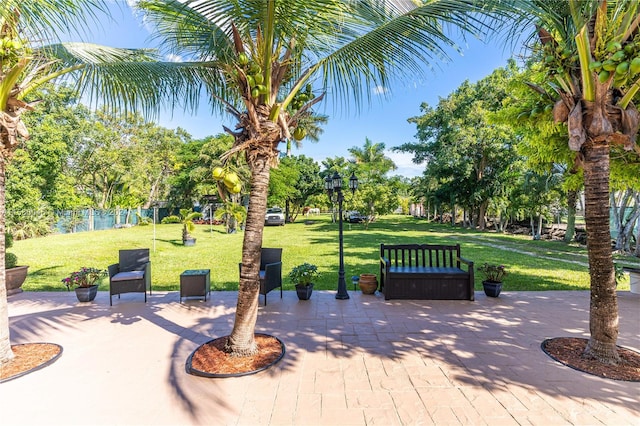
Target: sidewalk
{"points": [[362, 361]]}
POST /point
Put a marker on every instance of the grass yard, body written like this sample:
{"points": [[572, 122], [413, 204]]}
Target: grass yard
{"points": [[532, 265]]}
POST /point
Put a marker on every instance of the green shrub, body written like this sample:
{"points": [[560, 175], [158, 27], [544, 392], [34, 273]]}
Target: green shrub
{"points": [[10, 260], [143, 220], [171, 219], [8, 240]]}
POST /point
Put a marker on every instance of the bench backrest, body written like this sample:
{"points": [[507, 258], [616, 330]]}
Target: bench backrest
{"points": [[427, 255]]}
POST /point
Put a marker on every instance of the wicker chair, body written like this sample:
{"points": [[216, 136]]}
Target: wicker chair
{"points": [[270, 271], [132, 274]]}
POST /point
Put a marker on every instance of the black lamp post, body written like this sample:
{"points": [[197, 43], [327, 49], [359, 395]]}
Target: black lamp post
{"points": [[333, 186]]}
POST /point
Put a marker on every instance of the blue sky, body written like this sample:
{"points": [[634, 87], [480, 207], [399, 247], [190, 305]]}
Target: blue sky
{"points": [[383, 121]]}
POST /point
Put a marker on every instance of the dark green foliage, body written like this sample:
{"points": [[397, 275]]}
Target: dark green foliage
{"points": [[10, 260]]}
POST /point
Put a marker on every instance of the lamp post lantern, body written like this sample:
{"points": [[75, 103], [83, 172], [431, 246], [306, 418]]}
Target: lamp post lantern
{"points": [[333, 186]]}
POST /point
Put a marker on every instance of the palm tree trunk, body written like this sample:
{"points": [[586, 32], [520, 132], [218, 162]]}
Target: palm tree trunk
{"points": [[241, 342], [6, 354], [603, 314]]}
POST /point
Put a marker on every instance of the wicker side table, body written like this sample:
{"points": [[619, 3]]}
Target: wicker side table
{"points": [[195, 282]]}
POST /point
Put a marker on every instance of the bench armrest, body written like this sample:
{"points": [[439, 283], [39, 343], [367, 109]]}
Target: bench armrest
{"points": [[384, 261], [466, 261]]}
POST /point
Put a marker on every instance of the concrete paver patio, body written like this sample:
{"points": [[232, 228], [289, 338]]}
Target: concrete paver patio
{"points": [[362, 361]]}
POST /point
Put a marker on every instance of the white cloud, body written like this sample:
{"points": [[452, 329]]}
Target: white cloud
{"points": [[379, 90], [174, 58], [405, 167]]}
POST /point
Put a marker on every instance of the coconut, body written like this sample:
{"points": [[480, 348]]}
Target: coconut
{"points": [[634, 67], [299, 133], [231, 180], [218, 173]]}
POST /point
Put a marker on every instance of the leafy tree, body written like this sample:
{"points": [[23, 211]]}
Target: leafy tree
{"points": [[157, 159], [542, 143], [27, 215], [55, 131], [588, 50], [376, 194], [293, 183], [184, 181], [471, 157]]}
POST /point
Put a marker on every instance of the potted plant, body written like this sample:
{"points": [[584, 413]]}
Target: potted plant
{"points": [[187, 216], [302, 276], [14, 274], [84, 282], [493, 275]]}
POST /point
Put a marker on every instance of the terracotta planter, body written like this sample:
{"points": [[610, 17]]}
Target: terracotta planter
{"points": [[368, 283], [15, 278]]}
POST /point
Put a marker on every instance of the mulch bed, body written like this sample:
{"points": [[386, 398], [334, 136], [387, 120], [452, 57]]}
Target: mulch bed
{"points": [[29, 357], [210, 359], [568, 351]]}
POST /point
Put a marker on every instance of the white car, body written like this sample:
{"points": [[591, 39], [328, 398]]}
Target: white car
{"points": [[274, 216]]}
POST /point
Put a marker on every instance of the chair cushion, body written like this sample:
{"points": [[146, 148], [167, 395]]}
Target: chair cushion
{"points": [[128, 276]]}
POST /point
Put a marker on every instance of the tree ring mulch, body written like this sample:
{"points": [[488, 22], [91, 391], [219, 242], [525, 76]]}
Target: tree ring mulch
{"points": [[568, 351], [29, 357], [210, 360]]}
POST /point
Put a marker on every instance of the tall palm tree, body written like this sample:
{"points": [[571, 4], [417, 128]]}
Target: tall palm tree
{"points": [[591, 52], [256, 58], [27, 62], [372, 157]]}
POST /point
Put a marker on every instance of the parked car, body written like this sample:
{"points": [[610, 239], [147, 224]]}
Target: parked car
{"points": [[274, 216], [356, 217]]}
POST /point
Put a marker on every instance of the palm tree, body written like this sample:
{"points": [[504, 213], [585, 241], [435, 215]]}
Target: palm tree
{"points": [[591, 52], [372, 158], [27, 63], [232, 213], [256, 60]]}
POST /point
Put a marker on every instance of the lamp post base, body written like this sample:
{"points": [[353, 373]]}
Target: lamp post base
{"points": [[344, 296], [342, 293]]}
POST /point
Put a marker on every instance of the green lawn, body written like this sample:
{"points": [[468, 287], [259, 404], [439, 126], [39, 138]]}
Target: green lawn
{"points": [[532, 265]]}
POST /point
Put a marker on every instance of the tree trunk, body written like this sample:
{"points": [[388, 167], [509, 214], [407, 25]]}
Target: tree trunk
{"points": [[618, 209], [241, 342], [533, 227], [454, 212], [6, 354], [540, 220], [629, 226], [482, 212], [603, 314], [572, 196]]}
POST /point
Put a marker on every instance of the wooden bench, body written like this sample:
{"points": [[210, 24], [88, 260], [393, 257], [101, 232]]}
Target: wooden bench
{"points": [[425, 271]]}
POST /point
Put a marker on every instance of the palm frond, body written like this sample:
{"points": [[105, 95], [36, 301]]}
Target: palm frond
{"points": [[45, 20]]}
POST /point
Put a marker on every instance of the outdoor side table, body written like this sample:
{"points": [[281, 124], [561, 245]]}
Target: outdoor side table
{"points": [[195, 282]]}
